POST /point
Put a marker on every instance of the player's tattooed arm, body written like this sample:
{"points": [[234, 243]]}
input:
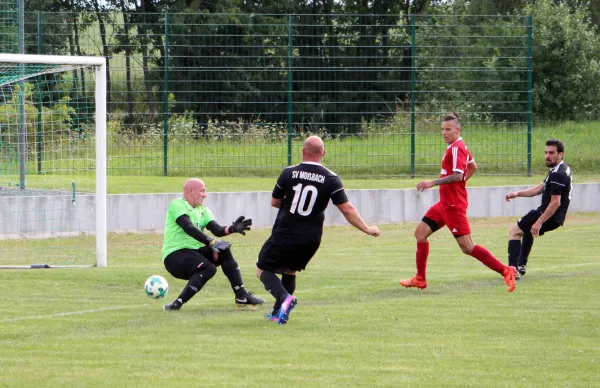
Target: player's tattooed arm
{"points": [[456, 177]]}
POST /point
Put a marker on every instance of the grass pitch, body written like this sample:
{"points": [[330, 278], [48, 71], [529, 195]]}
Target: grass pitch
{"points": [[353, 326]]}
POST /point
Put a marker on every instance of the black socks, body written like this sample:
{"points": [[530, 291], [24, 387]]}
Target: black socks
{"points": [[526, 245], [514, 250], [231, 269], [273, 285], [196, 282], [289, 283]]}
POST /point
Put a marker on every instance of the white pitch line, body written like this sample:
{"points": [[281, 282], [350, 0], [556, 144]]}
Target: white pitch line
{"points": [[69, 313], [93, 311], [81, 312]]}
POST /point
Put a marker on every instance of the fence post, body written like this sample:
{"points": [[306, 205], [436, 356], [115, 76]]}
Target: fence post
{"points": [[22, 118], [166, 99], [40, 98], [290, 104], [529, 89], [413, 63]]}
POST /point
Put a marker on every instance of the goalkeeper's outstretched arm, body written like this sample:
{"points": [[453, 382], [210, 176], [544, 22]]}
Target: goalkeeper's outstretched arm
{"points": [[240, 225], [188, 227], [217, 229]]}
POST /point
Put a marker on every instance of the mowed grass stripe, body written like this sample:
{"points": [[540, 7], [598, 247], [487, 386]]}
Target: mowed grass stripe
{"points": [[357, 284], [354, 325]]}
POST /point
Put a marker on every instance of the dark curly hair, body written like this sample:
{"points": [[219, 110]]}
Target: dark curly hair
{"points": [[560, 147]]}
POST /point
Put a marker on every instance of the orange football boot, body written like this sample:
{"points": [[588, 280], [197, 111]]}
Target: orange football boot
{"points": [[510, 276], [415, 281]]}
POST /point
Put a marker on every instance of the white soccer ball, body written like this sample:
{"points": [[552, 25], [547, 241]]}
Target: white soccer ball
{"points": [[156, 287]]}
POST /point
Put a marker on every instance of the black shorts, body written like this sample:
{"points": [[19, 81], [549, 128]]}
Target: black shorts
{"points": [[184, 262], [530, 218], [277, 255]]}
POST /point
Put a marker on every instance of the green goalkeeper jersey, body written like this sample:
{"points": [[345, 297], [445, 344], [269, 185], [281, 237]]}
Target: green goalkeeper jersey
{"points": [[175, 238]]}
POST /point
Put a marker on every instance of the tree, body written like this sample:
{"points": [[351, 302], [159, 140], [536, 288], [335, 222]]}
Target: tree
{"points": [[127, 43], [566, 69], [100, 15]]}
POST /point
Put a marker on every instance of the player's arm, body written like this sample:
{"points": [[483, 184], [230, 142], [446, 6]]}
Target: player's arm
{"points": [[456, 177], [217, 229], [240, 225], [460, 158], [558, 185], [340, 199], [530, 192], [276, 202], [546, 215], [353, 217], [471, 168], [278, 193], [460, 161], [188, 227], [551, 209], [185, 222]]}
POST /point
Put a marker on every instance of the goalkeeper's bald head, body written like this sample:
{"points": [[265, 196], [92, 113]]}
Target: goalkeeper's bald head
{"points": [[194, 191]]}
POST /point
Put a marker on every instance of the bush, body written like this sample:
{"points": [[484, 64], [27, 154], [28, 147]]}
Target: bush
{"points": [[566, 71], [59, 122]]}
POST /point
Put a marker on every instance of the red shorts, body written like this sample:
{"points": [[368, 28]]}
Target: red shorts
{"points": [[455, 219]]}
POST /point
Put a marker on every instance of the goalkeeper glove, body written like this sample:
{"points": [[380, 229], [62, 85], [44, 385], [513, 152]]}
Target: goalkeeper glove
{"points": [[240, 225], [219, 245]]}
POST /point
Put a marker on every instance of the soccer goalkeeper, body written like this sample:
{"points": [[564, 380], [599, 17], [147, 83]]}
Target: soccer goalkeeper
{"points": [[191, 255]]}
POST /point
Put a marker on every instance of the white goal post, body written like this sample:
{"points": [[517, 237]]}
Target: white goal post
{"points": [[15, 71]]}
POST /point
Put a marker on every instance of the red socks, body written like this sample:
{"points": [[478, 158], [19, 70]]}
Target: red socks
{"points": [[483, 255], [479, 252], [422, 253]]}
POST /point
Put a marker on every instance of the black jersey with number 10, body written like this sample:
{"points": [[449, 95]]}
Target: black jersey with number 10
{"points": [[306, 189]]}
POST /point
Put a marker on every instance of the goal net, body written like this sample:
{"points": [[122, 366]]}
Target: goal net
{"points": [[52, 161]]}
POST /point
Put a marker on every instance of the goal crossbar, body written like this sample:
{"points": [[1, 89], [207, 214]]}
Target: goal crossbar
{"points": [[53, 59]]}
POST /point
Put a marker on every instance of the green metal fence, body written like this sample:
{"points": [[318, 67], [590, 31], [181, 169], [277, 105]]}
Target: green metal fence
{"points": [[9, 26], [225, 94]]}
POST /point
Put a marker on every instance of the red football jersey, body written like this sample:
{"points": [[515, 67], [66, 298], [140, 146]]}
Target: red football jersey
{"points": [[455, 159]]}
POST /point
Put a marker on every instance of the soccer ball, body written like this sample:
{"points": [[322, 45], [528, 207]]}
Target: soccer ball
{"points": [[156, 287]]}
